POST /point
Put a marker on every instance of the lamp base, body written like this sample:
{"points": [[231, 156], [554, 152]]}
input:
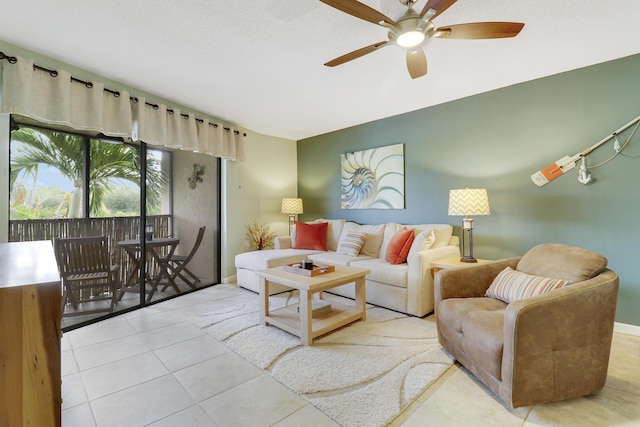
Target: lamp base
{"points": [[468, 259], [292, 223]]}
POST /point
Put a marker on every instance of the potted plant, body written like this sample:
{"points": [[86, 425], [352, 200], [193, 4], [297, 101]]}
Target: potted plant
{"points": [[260, 236]]}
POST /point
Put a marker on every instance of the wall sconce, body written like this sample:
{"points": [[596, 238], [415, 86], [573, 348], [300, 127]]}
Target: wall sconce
{"points": [[291, 207], [198, 171], [468, 202], [148, 232]]}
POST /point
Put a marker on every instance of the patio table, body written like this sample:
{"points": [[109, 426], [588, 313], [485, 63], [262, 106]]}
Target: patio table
{"points": [[132, 248]]}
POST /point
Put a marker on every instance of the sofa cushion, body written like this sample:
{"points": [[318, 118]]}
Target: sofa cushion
{"points": [[311, 236], [375, 234], [336, 258], [334, 230], [510, 285], [399, 246], [351, 243], [384, 272], [261, 260], [562, 262], [423, 241]]}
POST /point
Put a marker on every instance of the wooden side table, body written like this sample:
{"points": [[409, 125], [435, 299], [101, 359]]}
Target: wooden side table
{"points": [[443, 263]]}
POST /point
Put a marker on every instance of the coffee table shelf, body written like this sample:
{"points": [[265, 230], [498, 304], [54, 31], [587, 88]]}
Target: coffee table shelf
{"points": [[300, 322], [288, 319]]}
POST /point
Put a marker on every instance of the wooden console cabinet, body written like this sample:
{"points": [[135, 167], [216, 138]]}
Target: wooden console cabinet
{"points": [[30, 297]]}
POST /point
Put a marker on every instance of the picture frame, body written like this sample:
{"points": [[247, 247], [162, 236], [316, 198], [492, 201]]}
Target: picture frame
{"points": [[373, 178]]}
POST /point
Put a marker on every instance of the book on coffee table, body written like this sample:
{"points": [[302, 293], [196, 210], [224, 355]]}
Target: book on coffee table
{"points": [[319, 307]]}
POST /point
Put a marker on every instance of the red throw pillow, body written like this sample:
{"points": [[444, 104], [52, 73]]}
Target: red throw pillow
{"points": [[311, 236], [399, 246]]}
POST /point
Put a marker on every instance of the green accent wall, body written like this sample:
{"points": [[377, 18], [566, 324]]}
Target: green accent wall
{"points": [[496, 140]]}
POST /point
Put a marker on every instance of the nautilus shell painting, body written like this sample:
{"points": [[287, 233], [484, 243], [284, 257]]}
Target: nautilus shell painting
{"points": [[373, 179]]}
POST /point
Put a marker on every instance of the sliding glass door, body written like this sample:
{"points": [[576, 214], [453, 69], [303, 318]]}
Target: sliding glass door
{"points": [[157, 209]]}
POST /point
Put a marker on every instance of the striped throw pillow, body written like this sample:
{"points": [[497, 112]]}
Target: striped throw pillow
{"points": [[510, 285], [351, 243]]}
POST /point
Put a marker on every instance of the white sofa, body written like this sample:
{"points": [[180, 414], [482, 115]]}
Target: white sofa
{"points": [[406, 287]]}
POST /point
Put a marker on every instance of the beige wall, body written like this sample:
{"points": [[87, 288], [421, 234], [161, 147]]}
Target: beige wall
{"points": [[195, 208], [253, 189]]}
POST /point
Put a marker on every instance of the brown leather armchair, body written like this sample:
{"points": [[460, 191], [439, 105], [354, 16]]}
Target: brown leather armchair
{"points": [[544, 348]]}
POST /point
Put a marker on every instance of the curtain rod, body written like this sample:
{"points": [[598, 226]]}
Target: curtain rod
{"points": [[54, 73]]}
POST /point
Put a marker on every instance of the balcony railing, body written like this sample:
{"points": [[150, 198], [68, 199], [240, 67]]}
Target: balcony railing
{"points": [[115, 228]]}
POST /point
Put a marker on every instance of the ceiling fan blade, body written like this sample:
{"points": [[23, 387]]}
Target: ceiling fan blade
{"points": [[438, 5], [416, 63], [359, 10], [356, 54], [480, 30]]}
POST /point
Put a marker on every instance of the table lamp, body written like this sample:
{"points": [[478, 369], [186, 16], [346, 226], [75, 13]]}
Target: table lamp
{"points": [[291, 207], [465, 202]]}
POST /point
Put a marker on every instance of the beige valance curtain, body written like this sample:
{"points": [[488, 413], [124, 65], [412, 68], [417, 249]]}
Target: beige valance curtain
{"points": [[157, 125], [54, 97], [60, 101]]}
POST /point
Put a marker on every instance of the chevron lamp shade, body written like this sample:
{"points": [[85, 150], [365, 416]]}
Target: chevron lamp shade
{"points": [[469, 201], [291, 206]]}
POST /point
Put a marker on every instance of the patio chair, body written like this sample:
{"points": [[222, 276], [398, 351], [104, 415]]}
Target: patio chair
{"points": [[178, 263], [86, 271]]}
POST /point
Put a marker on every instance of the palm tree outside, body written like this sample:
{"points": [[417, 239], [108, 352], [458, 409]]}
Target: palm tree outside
{"points": [[113, 168]]}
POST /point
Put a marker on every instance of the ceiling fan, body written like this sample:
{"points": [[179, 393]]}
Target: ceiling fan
{"points": [[412, 29]]}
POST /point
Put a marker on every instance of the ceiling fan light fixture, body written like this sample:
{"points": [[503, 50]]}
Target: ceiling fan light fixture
{"points": [[410, 38]]}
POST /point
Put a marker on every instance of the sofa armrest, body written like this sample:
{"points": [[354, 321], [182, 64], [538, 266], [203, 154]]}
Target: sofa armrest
{"points": [[420, 299], [557, 345], [283, 242], [469, 281]]}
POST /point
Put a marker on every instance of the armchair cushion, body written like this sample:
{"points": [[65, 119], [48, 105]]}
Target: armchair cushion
{"points": [[562, 262], [510, 285]]}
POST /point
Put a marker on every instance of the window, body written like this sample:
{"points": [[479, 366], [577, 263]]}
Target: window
{"points": [[46, 172], [51, 176]]}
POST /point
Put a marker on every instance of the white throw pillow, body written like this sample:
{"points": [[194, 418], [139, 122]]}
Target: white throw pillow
{"points": [[423, 241]]}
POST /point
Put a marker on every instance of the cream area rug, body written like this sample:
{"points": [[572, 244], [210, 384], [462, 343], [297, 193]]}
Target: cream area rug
{"points": [[363, 374]]}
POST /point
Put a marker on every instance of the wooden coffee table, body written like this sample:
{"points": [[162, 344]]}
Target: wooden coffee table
{"points": [[301, 323]]}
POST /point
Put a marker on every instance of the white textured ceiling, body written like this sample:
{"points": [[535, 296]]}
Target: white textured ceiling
{"points": [[258, 64]]}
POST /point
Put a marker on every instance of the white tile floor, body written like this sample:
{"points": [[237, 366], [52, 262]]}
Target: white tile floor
{"points": [[154, 367]]}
